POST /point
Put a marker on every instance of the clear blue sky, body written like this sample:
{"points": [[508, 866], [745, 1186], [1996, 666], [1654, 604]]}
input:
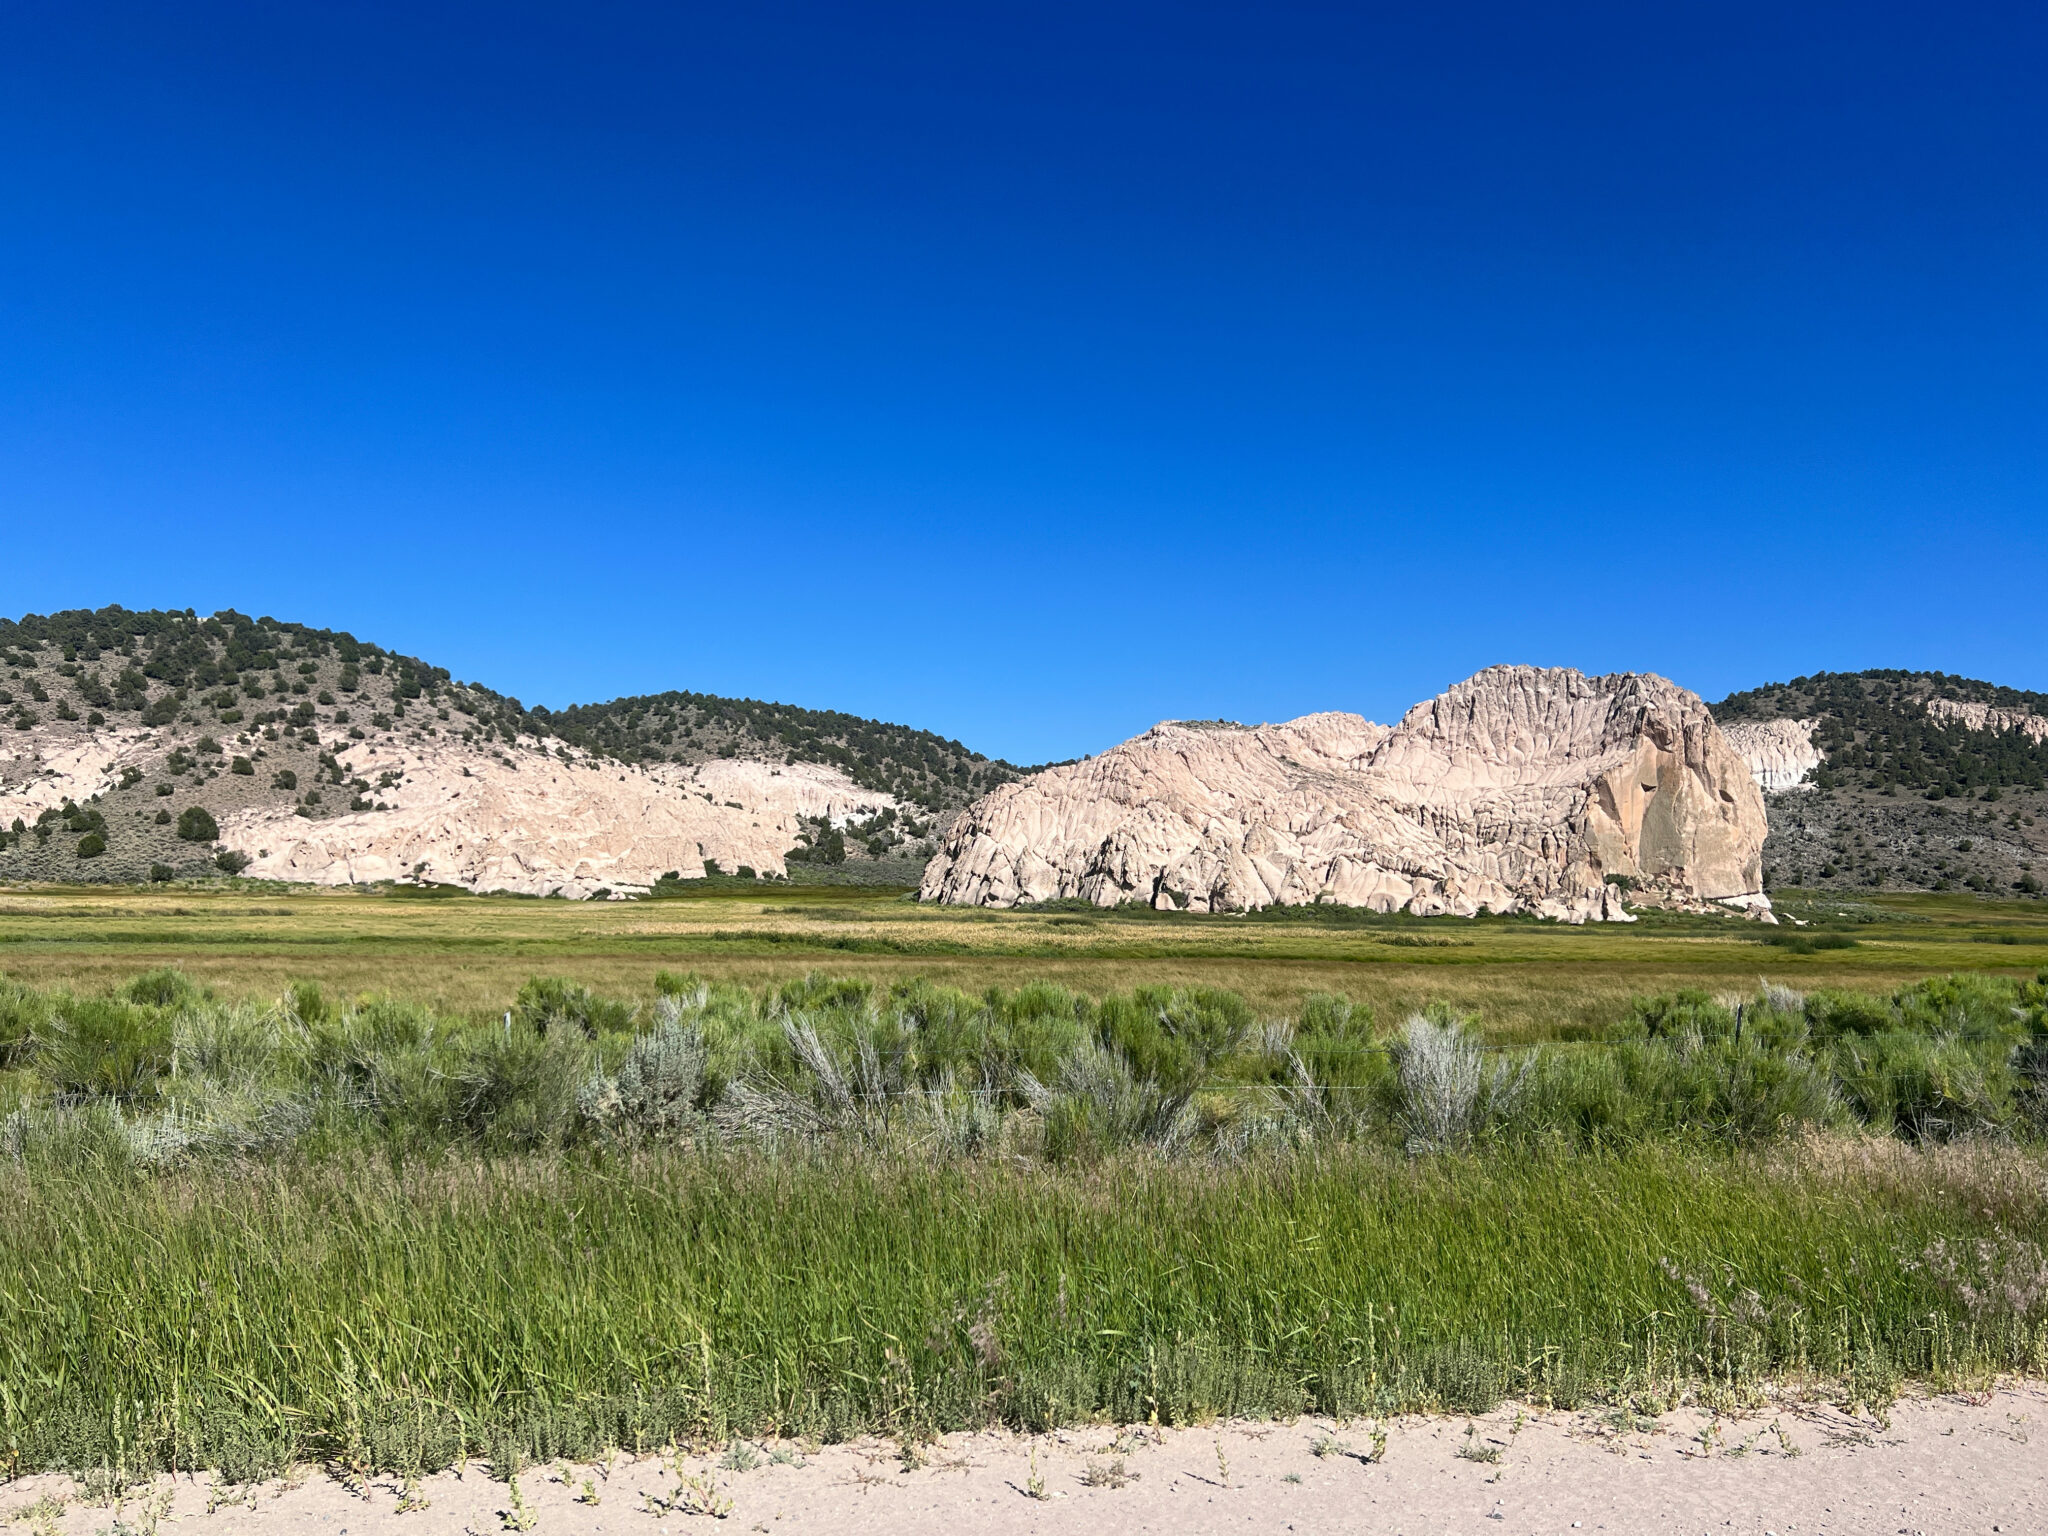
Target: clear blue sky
{"points": [[1034, 372]]}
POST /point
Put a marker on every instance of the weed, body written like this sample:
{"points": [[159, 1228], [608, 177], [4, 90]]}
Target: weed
{"points": [[1034, 1484], [691, 1494], [1108, 1474], [106, 1484], [410, 1499], [1476, 1449], [150, 1512], [517, 1517], [1997, 1278], [44, 1517], [740, 1456]]}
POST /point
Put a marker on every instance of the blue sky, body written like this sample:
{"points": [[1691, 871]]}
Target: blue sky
{"points": [[1032, 373]]}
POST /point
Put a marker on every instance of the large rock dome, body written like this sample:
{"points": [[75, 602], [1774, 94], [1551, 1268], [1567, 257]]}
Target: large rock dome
{"points": [[1521, 789]]}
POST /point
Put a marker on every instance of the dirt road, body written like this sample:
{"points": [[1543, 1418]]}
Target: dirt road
{"points": [[1934, 1466]]}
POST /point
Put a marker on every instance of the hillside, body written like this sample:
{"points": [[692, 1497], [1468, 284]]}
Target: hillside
{"points": [[1924, 781], [916, 767], [310, 754], [180, 745], [1875, 731]]}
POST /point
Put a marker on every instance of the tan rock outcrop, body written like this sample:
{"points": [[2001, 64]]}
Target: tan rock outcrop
{"points": [[538, 824], [39, 771], [514, 818], [1983, 717], [1780, 753], [1520, 789]]}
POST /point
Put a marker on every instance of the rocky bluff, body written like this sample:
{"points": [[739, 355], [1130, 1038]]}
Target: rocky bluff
{"points": [[1521, 789]]}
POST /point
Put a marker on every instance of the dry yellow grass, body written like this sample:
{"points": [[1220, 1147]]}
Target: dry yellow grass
{"points": [[469, 954]]}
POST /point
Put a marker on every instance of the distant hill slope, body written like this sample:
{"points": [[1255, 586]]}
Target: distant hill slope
{"points": [[1875, 730], [915, 766], [316, 755], [1924, 781]]}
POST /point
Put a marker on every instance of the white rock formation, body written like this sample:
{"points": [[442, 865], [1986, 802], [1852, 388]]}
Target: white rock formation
{"points": [[40, 771], [1521, 789], [516, 818], [1780, 753], [542, 825], [1980, 717]]}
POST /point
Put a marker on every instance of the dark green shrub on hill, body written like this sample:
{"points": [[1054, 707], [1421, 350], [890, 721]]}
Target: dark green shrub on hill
{"points": [[196, 825], [818, 842], [1876, 732]]}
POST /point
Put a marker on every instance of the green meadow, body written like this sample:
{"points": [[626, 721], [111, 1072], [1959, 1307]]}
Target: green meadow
{"points": [[388, 1179]]}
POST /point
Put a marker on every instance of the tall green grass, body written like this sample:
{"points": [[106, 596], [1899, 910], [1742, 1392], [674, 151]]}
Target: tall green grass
{"points": [[237, 1236], [381, 1314], [170, 1073]]}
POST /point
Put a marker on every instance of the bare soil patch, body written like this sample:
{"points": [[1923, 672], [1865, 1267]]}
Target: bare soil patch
{"points": [[1938, 1465]]}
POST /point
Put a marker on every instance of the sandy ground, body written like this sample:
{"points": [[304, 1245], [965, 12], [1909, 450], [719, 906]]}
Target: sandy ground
{"points": [[1937, 1466]]}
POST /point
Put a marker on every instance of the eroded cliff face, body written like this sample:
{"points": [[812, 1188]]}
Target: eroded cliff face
{"points": [[1520, 789], [1984, 717], [534, 823], [513, 817], [1780, 753]]}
